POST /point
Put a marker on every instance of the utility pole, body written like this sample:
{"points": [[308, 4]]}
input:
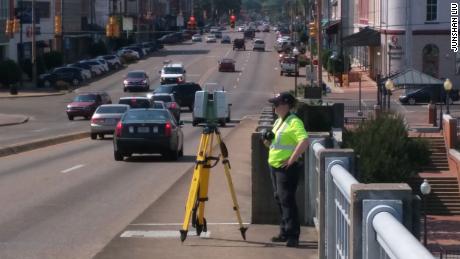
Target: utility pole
{"points": [[318, 41], [34, 49]]}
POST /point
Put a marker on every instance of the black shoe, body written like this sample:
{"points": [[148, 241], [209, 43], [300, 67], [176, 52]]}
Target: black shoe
{"points": [[292, 243], [279, 238]]}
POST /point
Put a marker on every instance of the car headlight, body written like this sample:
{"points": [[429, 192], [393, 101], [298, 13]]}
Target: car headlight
{"points": [[125, 82], [145, 81], [180, 78], [68, 106]]}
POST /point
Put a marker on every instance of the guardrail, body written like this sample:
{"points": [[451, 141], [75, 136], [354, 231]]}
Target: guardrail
{"points": [[368, 221]]}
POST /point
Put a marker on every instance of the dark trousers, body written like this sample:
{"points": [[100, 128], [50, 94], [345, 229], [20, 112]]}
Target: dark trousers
{"points": [[285, 187]]}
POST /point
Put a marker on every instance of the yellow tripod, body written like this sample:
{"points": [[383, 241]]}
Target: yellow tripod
{"points": [[198, 193]]}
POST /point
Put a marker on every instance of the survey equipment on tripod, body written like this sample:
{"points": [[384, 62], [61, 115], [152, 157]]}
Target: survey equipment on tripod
{"points": [[198, 193], [211, 108]]}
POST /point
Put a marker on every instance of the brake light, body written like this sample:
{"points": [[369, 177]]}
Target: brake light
{"points": [[118, 129], [172, 105], [168, 129]]}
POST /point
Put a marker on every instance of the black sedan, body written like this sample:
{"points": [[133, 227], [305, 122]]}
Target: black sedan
{"points": [[69, 75], [429, 94], [148, 131]]}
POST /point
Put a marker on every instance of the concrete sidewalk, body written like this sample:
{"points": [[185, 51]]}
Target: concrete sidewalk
{"points": [[12, 119], [155, 233], [38, 92]]}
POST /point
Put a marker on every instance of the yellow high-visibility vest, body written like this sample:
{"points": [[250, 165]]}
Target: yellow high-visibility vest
{"points": [[288, 134]]}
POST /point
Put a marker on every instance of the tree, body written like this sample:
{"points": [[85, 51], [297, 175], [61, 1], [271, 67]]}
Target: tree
{"points": [[384, 150], [10, 74]]}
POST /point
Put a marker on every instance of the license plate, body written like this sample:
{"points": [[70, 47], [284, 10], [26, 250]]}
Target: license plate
{"points": [[143, 129]]}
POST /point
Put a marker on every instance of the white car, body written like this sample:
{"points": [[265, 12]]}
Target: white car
{"points": [[172, 73], [197, 38], [113, 61], [128, 53], [211, 38], [85, 73], [259, 45], [104, 64], [240, 28]]}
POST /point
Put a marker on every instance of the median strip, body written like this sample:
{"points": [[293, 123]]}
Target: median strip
{"points": [[41, 143]]}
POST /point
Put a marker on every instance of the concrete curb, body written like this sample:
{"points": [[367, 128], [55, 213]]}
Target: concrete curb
{"points": [[22, 121], [41, 143], [33, 95]]}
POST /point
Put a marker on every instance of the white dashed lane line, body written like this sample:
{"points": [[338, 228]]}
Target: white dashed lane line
{"points": [[72, 168]]}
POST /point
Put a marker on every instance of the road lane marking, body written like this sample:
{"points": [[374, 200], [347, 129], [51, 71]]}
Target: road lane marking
{"points": [[72, 168], [238, 79], [161, 234], [228, 52], [39, 130]]}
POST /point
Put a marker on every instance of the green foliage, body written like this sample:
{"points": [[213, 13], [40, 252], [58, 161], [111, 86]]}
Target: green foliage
{"points": [[10, 72], [303, 61], [385, 152], [97, 49], [26, 66], [325, 55], [335, 65], [53, 59]]}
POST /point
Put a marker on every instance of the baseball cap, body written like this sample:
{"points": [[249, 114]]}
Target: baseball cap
{"points": [[283, 98]]}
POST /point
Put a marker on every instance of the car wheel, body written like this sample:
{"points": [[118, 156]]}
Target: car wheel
{"points": [[222, 123], [101, 136], [411, 101], [75, 82], [117, 155], [172, 155], [47, 83], [93, 135], [281, 73], [70, 117], [124, 89]]}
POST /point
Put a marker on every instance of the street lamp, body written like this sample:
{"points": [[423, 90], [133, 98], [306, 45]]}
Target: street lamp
{"points": [[447, 87], [425, 188], [296, 52], [389, 85]]}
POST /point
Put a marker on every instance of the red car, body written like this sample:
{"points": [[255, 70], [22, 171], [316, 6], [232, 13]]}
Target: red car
{"points": [[227, 64], [85, 104]]}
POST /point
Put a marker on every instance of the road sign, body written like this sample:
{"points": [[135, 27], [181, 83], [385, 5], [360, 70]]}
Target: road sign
{"points": [[180, 21], [127, 23]]}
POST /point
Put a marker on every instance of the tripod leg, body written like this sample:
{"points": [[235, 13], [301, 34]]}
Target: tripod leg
{"points": [[226, 162], [204, 186], [194, 186]]}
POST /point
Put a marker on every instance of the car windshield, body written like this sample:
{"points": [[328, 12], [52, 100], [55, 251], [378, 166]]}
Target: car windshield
{"points": [[163, 89], [112, 109], [135, 102], [172, 70], [136, 75], [85, 98], [164, 98], [134, 115], [158, 105]]}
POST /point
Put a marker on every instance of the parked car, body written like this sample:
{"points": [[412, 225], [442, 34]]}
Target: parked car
{"points": [[169, 39], [239, 44], [197, 38], [226, 39], [84, 104], [69, 75], [139, 50], [85, 72], [288, 66], [136, 80], [136, 102], [259, 45], [169, 102], [113, 61], [86, 69], [96, 65], [435, 94], [128, 54], [104, 63], [172, 73], [105, 119], [184, 94], [226, 65], [148, 131], [210, 38]]}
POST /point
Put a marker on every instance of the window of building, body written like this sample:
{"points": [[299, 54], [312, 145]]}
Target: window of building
{"points": [[431, 10], [3, 9], [431, 60], [364, 11], [43, 8]]}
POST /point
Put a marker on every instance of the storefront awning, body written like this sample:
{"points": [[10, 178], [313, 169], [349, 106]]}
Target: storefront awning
{"points": [[365, 37], [332, 27], [415, 78]]}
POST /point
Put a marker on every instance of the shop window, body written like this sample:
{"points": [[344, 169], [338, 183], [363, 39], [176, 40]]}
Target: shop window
{"points": [[431, 60]]}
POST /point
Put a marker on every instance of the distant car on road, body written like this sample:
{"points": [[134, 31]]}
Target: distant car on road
{"points": [[197, 38], [239, 44], [288, 66], [226, 39], [184, 94], [170, 103], [136, 80], [148, 131], [210, 38], [226, 65], [105, 119], [259, 45], [172, 73], [84, 104], [136, 102]]}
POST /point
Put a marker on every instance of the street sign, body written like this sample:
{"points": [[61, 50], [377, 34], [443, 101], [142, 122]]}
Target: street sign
{"points": [[180, 21], [127, 23]]}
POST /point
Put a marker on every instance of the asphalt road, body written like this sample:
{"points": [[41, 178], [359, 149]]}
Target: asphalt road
{"points": [[71, 199]]}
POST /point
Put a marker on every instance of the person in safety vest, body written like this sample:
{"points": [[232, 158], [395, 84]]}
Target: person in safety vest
{"points": [[287, 142]]}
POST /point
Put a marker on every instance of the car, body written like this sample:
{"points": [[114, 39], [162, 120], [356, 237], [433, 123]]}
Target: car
{"points": [[214, 29], [434, 94], [105, 119], [184, 94], [266, 28], [136, 102], [68, 75], [169, 102], [148, 131], [98, 66], [288, 66], [197, 38], [171, 38], [113, 61], [158, 105], [240, 29], [239, 44], [136, 80], [226, 64], [85, 72], [218, 34], [249, 34], [104, 63], [84, 104], [259, 45], [210, 38], [226, 39], [172, 73], [128, 54]]}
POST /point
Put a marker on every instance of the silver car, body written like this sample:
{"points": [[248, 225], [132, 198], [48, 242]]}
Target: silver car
{"points": [[105, 119]]}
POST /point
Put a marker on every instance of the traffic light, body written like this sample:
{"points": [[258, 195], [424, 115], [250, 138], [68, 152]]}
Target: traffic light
{"points": [[191, 24], [232, 21], [312, 29], [58, 25], [16, 25]]}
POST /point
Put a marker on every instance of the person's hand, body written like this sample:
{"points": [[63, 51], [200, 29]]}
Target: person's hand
{"points": [[288, 163], [267, 143]]}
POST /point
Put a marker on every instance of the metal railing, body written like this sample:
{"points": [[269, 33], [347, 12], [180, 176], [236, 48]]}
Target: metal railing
{"points": [[357, 227]]}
